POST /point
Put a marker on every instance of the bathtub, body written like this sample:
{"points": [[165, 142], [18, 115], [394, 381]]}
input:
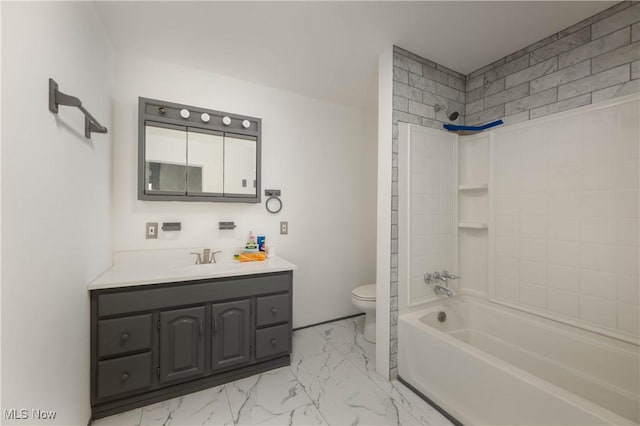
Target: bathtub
{"points": [[488, 364]]}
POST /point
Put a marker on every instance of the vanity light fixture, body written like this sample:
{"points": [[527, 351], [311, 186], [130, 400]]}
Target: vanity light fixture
{"points": [[184, 113], [226, 121], [246, 124], [205, 117]]}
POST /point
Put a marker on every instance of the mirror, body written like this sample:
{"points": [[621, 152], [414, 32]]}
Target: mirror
{"points": [[183, 157], [239, 159], [205, 157]]}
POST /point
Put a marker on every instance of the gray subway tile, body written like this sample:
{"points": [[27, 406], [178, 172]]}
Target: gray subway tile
{"points": [[400, 75], [486, 90], [421, 82], [475, 82], [531, 73], [394, 317], [627, 88], [405, 117], [394, 132], [562, 45], [400, 104], [398, 49], [506, 69], [564, 105], [516, 118], [545, 41], [635, 70], [394, 218], [516, 55], [421, 109], [447, 92], [562, 76], [433, 124], [507, 95], [486, 68], [432, 99], [533, 101], [394, 191], [393, 372], [394, 260], [595, 18], [406, 91], [474, 107], [485, 116], [449, 71], [594, 82], [635, 32], [457, 83], [594, 48], [622, 55], [614, 22], [420, 59], [400, 61], [435, 74]]}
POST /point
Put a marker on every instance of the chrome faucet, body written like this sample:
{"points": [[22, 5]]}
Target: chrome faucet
{"points": [[443, 276], [207, 256]]}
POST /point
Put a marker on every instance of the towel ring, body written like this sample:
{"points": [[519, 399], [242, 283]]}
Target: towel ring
{"points": [[273, 204]]}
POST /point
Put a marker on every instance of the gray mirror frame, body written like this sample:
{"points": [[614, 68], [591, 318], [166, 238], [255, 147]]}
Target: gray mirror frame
{"points": [[149, 110]]}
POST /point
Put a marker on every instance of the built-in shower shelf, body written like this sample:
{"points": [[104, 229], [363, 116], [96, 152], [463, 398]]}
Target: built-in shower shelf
{"points": [[473, 187], [473, 225]]}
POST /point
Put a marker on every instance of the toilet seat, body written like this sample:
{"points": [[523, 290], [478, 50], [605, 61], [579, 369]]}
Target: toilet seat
{"points": [[366, 293]]}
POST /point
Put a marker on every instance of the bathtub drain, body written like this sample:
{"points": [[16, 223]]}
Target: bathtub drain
{"points": [[442, 316]]}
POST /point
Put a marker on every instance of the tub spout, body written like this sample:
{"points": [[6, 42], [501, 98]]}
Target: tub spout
{"points": [[438, 289]]}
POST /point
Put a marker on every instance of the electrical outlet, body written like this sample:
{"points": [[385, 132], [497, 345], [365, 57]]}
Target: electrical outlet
{"points": [[152, 230], [284, 228]]}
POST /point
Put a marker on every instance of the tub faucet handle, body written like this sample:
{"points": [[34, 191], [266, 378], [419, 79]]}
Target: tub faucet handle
{"points": [[450, 276], [428, 277]]}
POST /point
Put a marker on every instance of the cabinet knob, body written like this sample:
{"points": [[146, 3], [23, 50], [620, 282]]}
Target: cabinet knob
{"points": [[124, 337], [274, 311], [124, 376], [273, 342]]}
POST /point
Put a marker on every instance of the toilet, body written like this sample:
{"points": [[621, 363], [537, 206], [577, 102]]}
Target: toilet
{"points": [[364, 298]]}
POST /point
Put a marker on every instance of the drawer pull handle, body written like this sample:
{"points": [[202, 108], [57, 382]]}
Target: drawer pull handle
{"points": [[274, 311], [124, 337], [124, 376], [273, 342]]}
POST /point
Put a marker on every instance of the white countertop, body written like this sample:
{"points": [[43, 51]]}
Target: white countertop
{"points": [[133, 268]]}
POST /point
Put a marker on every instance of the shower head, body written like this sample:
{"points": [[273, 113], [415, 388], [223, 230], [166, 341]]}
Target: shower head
{"points": [[453, 116]]}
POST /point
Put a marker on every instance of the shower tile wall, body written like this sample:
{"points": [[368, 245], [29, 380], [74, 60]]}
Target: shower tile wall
{"points": [[591, 61], [594, 60], [418, 85], [566, 217]]}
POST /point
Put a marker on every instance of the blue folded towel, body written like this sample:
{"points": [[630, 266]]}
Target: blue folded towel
{"points": [[456, 128]]}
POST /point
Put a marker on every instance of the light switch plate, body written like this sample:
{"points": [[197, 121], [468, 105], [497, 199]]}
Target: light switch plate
{"points": [[151, 230], [284, 228]]}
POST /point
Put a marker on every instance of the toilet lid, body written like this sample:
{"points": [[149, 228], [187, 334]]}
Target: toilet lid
{"points": [[365, 292]]}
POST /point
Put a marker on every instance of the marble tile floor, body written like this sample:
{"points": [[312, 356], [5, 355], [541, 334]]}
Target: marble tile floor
{"points": [[331, 381]]}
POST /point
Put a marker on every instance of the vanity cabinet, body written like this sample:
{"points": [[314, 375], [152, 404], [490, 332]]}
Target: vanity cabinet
{"points": [[154, 342], [181, 344], [231, 332]]}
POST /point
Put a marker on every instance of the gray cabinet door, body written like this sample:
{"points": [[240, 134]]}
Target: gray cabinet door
{"points": [[231, 333], [181, 344]]}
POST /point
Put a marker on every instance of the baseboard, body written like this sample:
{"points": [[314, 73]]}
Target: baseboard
{"points": [[326, 322], [430, 402]]}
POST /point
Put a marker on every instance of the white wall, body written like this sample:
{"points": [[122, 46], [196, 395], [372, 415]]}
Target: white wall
{"points": [[55, 203], [321, 155]]}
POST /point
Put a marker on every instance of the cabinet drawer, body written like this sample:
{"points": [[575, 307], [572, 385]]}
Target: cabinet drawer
{"points": [[272, 341], [120, 335], [272, 309], [122, 375]]}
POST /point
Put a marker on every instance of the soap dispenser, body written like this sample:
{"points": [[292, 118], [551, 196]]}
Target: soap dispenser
{"points": [[251, 246]]}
